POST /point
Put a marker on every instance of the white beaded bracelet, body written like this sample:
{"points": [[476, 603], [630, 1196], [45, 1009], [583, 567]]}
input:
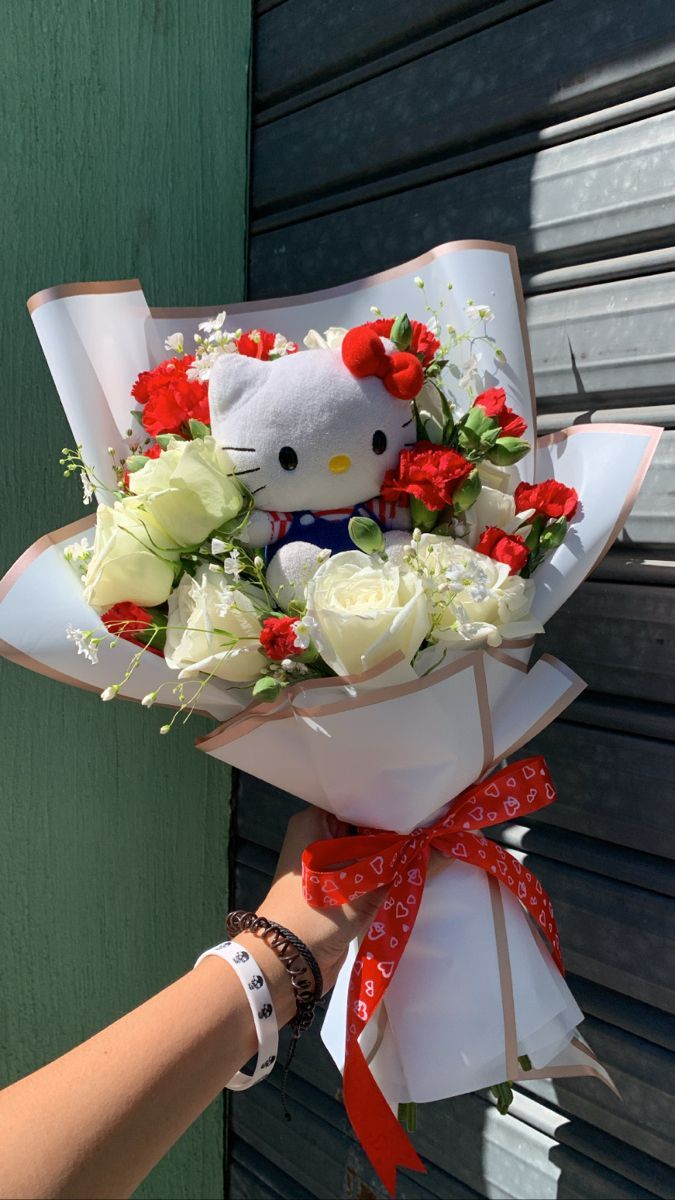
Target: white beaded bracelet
{"points": [[259, 997]]}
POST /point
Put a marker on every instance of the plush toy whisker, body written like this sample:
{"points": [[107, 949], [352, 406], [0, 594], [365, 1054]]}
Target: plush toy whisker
{"points": [[249, 471], [242, 449], [405, 423], [260, 489]]}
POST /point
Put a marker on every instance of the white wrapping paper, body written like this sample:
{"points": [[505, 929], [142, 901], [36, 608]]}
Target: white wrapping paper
{"points": [[475, 987]]}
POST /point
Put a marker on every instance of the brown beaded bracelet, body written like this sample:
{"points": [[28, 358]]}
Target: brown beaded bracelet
{"points": [[298, 961]]}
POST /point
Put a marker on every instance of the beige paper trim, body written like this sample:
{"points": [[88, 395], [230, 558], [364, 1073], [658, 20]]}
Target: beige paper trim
{"points": [[654, 434], [382, 695], [508, 660], [256, 715], [62, 290], [577, 686], [13, 654], [74, 530], [514, 1071]]}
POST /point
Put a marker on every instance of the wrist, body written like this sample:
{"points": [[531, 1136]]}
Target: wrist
{"points": [[275, 973]]}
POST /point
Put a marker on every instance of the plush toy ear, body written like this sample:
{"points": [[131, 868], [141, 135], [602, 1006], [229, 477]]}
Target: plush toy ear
{"points": [[233, 380]]}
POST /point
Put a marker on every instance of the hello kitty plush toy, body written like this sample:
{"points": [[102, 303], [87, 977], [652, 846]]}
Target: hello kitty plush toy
{"points": [[312, 435]]}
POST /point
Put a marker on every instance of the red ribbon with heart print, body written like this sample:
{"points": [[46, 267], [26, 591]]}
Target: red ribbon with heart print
{"points": [[399, 862]]}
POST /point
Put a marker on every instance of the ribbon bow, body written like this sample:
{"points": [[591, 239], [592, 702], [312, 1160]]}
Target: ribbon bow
{"points": [[399, 862], [363, 354]]}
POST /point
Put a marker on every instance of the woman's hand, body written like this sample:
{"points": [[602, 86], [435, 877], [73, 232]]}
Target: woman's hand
{"points": [[327, 932]]}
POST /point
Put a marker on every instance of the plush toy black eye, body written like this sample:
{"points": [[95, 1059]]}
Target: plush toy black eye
{"points": [[288, 458], [379, 441]]}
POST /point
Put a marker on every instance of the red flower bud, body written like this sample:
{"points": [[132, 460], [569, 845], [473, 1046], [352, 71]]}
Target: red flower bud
{"points": [[508, 548], [493, 402], [277, 638], [548, 499]]}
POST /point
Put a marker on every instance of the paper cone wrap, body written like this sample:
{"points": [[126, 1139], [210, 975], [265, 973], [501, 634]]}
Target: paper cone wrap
{"points": [[475, 987]]}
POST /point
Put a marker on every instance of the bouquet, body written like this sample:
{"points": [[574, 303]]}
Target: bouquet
{"points": [[343, 547]]}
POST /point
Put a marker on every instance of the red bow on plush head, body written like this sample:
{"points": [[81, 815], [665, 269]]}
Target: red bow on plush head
{"points": [[364, 354]]}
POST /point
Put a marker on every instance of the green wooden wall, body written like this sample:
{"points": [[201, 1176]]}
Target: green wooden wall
{"points": [[124, 153]]}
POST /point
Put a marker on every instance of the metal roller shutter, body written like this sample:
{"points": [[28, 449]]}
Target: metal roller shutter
{"points": [[381, 130]]}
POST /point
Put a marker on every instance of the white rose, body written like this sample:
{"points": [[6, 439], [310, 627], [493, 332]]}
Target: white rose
{"points": [[474, 599], [214, 627], [491, 508], [190, 490], [331, 339], [365, 609], [131, 559]]}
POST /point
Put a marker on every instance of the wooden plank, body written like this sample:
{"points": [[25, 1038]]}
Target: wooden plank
{"points": [[613, 786], [650, 870], [643, 718], [348, 44], [619, 638], [113, 854], [603, 194], [253, 1177], [571, 69]]}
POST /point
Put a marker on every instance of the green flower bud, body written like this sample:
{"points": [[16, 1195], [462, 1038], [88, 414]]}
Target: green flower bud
{"points": [[467, 493], [136, 462], [366, 535], [198, 429], [267, 688], [401, 332], [507, 451], [554, 534]]}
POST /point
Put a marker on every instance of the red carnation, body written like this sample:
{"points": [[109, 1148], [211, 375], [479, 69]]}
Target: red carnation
{"points": [[430, 473], [126, 620], [508, 548], [277, 638], [493, 402], [259, 343], [169, 398], [424, 343], [548, 499]]}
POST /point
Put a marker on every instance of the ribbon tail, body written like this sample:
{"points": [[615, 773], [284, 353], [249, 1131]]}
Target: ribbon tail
{"points": [[379, 1131]]}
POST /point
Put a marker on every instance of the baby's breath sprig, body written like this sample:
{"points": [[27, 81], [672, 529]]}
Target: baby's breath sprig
{"points": [[74, 464]]}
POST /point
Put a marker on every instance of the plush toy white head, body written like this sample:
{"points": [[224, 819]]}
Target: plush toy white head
{"points": [[310, 434]]}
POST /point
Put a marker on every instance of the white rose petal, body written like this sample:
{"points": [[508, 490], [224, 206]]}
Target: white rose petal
{"points": [[365, 610], [133, 559], [190, 490], [474, 598], [200, 637], [331, 339]]}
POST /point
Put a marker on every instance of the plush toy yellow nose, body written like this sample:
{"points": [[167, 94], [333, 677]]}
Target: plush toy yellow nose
{"points": [[339, 463]]}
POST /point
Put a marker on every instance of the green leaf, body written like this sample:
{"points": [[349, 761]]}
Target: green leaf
{"points": [[136, 462], [554, 534], [267, 688], [467, 493], [536, 529], [507, 451], [525, 1062], [366, 535], [198, 429], [163, 439], [401, 332]]}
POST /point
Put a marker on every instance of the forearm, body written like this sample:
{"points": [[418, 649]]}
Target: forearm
{"points": [[99, 1118]]}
